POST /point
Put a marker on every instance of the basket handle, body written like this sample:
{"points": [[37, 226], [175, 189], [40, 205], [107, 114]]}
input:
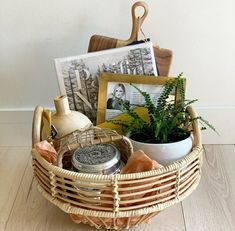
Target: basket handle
{"points": [[37, 125], [196, 127], [98, 140]]}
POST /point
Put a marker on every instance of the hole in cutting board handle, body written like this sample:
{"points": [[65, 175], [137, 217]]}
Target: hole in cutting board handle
{"points": [[140, 8], [139, 12]]}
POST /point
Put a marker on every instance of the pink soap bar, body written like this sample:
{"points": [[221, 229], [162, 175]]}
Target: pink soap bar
{"points": [[140, 162], [47, 151]]}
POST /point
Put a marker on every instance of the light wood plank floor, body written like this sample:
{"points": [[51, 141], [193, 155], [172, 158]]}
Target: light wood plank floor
{"points": [[211, 207]]}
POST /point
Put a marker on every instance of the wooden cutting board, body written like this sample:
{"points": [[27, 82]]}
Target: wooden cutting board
{"points": [[163, 56]]}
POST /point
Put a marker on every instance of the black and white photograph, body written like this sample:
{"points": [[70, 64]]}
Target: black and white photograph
{"points": [[129, 95], [118, 91], [78, 76]]}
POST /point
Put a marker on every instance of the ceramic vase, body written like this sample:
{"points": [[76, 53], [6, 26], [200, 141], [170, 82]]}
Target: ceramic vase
{"points": [[66, 121]]}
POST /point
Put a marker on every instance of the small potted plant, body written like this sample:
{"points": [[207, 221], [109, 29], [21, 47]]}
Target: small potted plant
{"points": [[166, 137]]}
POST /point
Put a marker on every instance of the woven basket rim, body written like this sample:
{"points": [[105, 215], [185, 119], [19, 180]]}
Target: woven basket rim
{"points": [[175, 166], [169, 168]]}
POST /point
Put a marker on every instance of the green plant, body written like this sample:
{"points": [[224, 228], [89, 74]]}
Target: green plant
{"points": [[168, 121]]}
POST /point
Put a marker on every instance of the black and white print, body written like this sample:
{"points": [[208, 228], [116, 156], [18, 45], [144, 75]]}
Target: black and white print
{"points": [[78, 76], [129, 95]]}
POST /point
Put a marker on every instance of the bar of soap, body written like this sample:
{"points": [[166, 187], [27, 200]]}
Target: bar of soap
{"points": [[140, 162], [46, 150]]}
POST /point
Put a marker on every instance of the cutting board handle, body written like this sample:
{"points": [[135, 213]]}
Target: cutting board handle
{"points": [[137, 22]]}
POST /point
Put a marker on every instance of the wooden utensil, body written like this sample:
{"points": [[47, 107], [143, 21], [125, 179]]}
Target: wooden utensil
{"points": [[163, 56]]}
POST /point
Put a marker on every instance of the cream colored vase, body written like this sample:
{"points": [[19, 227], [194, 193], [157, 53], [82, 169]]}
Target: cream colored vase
{"points": [[165, 153], [65, 120]]}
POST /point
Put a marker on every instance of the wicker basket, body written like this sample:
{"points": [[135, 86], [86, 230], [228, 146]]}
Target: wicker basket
{"points": [[116, 201]]}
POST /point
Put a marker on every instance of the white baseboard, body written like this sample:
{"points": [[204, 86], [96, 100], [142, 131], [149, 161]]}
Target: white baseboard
{"points": [[15, 126]]}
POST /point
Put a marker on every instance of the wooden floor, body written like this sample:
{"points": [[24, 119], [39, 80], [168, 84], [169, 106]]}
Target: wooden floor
{"points": [[211, 207]]}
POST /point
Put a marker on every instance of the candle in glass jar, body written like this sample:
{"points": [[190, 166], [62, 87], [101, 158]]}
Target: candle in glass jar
{"points": [[97, 159]]}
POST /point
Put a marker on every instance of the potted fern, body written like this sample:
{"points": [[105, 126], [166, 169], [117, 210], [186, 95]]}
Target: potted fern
{"points": [[166, 137]]}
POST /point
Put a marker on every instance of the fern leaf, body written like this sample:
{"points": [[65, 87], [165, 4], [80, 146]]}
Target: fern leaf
{"points": [[148, 102]]}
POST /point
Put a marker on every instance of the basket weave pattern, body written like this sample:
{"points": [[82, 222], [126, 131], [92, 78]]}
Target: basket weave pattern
{"points": [[122, 200]]}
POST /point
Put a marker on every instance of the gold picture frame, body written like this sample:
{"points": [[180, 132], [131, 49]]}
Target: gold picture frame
{"points": [[124, 79]]}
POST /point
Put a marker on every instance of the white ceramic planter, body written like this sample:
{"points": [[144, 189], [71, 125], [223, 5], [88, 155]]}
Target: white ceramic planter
{"points": [[165, 153]]}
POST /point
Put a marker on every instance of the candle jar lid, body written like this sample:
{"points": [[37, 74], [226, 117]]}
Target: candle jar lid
{"points": [[97, 159]]}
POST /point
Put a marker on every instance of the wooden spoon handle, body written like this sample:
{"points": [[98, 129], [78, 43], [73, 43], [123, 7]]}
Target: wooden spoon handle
{"points": [[136, 23]]}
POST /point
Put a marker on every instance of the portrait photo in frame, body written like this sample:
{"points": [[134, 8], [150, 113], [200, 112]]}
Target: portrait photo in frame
{"points": [[120, 86]]}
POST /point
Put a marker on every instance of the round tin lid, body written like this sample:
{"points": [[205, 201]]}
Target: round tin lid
{"points": [[96, 158]]}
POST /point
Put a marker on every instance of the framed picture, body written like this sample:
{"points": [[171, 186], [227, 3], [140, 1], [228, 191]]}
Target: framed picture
{"points": [[119, 85], [78, 75]]}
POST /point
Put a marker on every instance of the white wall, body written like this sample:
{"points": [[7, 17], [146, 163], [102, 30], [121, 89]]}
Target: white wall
{"points": [[200, 33]]}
